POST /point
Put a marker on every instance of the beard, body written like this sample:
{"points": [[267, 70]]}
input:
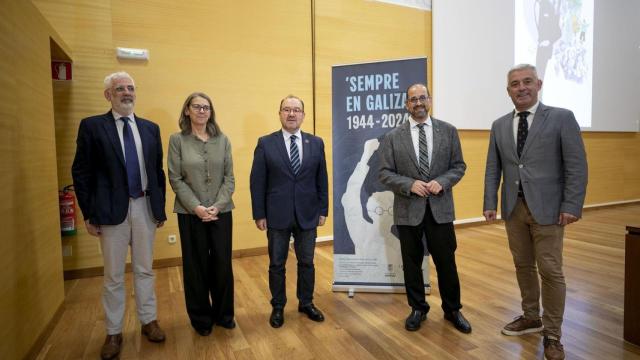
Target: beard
{"points": [[419, 112], [125, 106]]}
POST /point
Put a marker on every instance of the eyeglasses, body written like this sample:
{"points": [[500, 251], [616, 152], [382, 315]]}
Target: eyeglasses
{"points": [[379, 210], [293, 110], [198, 107], [423, 99]]}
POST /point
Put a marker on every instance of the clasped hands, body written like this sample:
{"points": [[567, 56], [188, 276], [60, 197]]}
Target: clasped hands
{"points": [[207, 213], [425, 189]]}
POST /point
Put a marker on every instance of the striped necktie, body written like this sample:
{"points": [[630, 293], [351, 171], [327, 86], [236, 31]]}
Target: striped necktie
{"points": [[294, 155], [424, 151]]}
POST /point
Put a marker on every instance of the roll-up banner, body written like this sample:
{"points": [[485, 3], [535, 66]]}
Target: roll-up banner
{"points": [[368, 101]]}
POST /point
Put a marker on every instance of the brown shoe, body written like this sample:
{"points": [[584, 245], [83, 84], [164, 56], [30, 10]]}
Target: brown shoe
{"points": [[153, 332], [553, 349], [111, 348], [521, 326]]}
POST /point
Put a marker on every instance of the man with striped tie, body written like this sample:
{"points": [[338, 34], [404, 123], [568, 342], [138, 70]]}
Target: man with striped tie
{"points": [[289, 196], [421, 161]]}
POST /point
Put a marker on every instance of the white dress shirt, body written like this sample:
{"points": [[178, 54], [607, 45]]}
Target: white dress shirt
{"points": [[516, 119], [287, 142], [415, 137], [136, 139]]}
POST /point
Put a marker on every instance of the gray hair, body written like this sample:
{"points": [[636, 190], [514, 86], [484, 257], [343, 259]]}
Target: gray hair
{"points": [[522, 67], [109, 79]]}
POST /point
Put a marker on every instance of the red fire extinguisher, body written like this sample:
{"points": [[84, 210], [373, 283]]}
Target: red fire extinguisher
{"points": [[67, 211]]}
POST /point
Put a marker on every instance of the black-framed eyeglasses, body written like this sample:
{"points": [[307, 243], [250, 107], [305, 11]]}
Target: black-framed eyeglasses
{"points": [[198, 107], [414, 100], [293, 110]]}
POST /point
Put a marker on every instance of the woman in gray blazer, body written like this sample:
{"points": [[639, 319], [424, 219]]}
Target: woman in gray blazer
{"points": [[201, 175]]}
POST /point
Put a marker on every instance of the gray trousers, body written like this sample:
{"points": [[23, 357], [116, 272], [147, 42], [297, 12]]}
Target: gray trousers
{"points": [[138, 231]]}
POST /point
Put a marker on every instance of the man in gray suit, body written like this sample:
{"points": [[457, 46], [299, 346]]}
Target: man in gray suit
{"points": [[539, 153], [420, 162]]}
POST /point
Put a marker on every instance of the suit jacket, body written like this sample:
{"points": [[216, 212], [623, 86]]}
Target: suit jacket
{"points": [[282, 197], [399, 168], [552, 168], [100, 175]]}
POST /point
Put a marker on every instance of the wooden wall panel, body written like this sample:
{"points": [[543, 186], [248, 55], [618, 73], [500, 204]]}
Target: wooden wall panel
{"points": [[246, 56], [31, 281]]}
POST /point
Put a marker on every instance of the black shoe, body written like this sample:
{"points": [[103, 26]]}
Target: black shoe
{"points": [[414, 320], [312, 312], [203, 331], [231, 324], [458, 321], [277, 318]]}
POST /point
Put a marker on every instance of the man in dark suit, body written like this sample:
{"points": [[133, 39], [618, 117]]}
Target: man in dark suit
{"points": [[538, 152], [421, 161], [120, 185], [289, 196]]}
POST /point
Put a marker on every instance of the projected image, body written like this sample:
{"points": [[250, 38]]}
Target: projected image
{"points": [[557, 37]]}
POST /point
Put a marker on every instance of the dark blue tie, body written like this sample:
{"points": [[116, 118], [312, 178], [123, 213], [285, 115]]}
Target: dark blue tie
{"points": [[131, 160], [295, 155]]}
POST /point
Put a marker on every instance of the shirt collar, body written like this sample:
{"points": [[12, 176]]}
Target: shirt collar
{"points": [[117, 116], [287, 134], [532, 109], [414, 124]]}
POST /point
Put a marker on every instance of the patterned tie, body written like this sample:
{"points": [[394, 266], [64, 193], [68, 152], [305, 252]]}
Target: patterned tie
{"points": [[424, 151], [131, 161], [295, 156], [523, 130]]}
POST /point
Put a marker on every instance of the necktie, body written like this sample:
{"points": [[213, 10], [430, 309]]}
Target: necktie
{"points": [[131, 160], [295, 155], [523, 131], [424, 152]]}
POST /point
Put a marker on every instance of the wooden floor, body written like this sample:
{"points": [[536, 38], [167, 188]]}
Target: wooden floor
{"points": [[370, 326]]}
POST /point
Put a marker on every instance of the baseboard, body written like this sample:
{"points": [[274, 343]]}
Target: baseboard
{"points": [[321, 241], [37, 346], [157, 264]]}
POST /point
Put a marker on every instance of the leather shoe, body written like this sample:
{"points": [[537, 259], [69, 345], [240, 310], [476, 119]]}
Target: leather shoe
{"points": [[231, 324], [111, 348], [277, 318], [312, 312], [153, 332], [414, 320], [458, 321]]}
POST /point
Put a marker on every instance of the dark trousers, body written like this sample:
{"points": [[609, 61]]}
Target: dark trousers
{"points": [[441, 243], [207, 270], [304, 242]]}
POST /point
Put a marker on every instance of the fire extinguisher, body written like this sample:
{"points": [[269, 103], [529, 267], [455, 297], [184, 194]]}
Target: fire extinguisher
{"points": [[67, 211]]}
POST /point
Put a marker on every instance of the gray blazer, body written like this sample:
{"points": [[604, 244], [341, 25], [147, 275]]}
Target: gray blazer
{"points": [[399, 169], [553, 166]]}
